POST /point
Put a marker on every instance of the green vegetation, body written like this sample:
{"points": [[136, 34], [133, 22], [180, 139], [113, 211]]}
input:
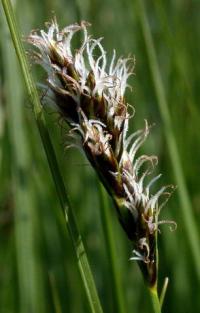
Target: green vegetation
{"points": [[40, 260]]}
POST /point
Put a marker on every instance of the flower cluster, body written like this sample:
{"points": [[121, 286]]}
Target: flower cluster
{"points": [[89, 94]]}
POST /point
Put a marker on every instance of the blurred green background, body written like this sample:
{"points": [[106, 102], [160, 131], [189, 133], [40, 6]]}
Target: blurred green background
{"points": [[35, 252]]}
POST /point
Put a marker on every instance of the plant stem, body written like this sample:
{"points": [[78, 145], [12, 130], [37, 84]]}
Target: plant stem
{"points": [[83, 264], [155, 300], [188, 218], [106, 218], [153, 290]]}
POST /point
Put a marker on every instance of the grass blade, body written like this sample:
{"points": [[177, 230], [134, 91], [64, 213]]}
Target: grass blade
{"points": [[74, 233], [31, 292]]}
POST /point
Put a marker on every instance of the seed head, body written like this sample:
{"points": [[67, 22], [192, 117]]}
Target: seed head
{"points": [[89, 94]]}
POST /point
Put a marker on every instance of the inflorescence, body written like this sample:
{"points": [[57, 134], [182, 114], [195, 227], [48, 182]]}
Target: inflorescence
{"points": [[89, 95]]}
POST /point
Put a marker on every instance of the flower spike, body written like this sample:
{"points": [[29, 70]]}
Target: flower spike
{"points": [[89, 94]]}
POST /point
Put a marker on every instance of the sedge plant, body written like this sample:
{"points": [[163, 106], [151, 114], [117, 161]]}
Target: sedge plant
{"points": [[89, 96]]}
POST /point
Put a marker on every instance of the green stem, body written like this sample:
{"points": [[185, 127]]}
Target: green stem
{"points": [[106, 218], [153, 291], [155, 300], [83, 264], [188, 218]]}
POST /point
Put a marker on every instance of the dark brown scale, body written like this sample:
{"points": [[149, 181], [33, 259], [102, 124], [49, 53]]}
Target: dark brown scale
{"points": [[115, 141], [67, 106], [85, 104], [100, 111]]}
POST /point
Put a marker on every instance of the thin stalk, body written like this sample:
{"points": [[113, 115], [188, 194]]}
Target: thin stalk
{"points": [[83, 264], [188, 218], [163, 291], [106, 218]]}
